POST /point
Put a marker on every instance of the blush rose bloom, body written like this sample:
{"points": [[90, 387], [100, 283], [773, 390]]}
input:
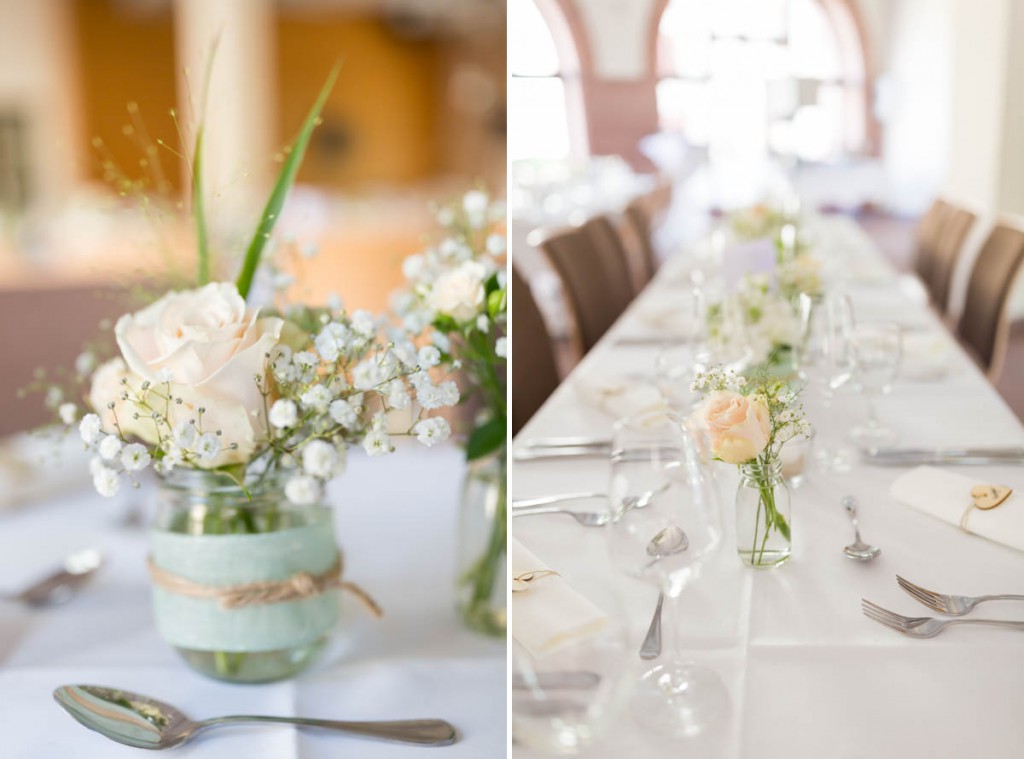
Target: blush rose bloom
{"points": [[459, 293], [738, 427], [210, 347]]}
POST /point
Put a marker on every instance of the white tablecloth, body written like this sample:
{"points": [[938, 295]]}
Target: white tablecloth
{"points": [[809, 676], [396, 521]]}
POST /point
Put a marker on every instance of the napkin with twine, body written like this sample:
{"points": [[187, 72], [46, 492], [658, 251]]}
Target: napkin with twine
{"points": [[547, 614], [947, 496]]}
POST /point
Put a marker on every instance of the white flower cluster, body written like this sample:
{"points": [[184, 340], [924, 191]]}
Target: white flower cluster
{"points": [[801, 274], [333, 386], [449, 279], [770, 322], [341, 390], [115, 456]]}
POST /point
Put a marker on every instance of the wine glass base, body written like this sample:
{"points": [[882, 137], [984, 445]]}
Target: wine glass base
{"points": [[872, 437], [680, 699]]}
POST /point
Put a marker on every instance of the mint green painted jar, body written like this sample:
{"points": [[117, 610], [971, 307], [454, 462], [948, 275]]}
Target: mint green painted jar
{"points": [[210, 536]]}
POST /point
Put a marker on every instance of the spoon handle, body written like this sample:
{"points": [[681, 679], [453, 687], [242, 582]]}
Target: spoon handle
{"points": [[423, 732], [651, 647]]}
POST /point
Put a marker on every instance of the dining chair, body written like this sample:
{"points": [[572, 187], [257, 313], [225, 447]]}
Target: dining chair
{"points": [[534, 372], [957, 225], [929, 231], [643, 213], [983, 326], [591, 264]]}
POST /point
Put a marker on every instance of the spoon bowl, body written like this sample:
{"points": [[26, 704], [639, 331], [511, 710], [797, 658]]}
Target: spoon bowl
{"points": [[144, 722], [61, 585], [858, 550]]}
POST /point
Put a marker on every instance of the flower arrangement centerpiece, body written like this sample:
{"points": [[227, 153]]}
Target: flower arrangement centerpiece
{"points": [[762, 319], [747, 422], [756, 222], [245, 413], [457, 299]]}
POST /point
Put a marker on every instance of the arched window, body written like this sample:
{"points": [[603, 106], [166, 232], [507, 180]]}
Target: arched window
{"points": [[543, 86], [763, 76]]}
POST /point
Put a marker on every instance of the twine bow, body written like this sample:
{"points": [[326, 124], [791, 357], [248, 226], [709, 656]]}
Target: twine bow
{"points": [[984, 497], [299, 586]]}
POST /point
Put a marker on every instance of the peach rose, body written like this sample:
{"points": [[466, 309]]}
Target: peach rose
{"points": [[209, 346], [738, 426]]}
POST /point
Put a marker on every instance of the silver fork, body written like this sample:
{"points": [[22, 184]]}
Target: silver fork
{"points": [[585, 518], [954, 606], [925, 627]]}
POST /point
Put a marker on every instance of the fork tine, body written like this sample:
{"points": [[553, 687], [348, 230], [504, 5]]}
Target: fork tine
{"points": [[870, 614], [930, 602], [908, 586], [868, 606]]}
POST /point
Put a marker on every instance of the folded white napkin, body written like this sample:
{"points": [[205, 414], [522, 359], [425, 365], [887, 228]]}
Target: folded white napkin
{"points": [[946, 496], [619, 396], [550, 614], [669, 317], [925, 356]]}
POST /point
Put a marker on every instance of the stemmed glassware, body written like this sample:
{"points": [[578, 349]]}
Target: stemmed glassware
{"points": [[877, 352], [665, 525], [826, 361], [564, 701]]}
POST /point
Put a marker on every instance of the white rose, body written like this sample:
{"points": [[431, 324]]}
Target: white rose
{"points": [[213, 346], [459, 293]]}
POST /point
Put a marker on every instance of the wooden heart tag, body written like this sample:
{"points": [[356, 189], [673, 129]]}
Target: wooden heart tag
{"points": [[987, 497]]}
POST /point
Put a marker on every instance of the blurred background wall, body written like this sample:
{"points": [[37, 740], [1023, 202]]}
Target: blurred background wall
{"points": [[98, 101]]}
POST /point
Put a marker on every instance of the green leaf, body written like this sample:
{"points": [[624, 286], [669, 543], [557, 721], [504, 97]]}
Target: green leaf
{"points": [[236, 473], [486, 439], [491, 284], [284, 183], [496, 302], [197, 209]]}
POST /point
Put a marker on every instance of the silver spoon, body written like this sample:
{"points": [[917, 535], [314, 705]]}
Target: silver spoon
{"points": [[858, 550], [143, 722], [668, 541], [62, 584]]}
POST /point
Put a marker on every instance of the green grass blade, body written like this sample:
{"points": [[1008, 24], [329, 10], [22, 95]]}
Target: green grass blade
{"points": [[284, 183], [197, 209]]}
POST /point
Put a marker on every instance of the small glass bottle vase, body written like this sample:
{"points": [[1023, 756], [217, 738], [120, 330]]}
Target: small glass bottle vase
{"points": [[763, 515], [222, 565], [480, 582]]}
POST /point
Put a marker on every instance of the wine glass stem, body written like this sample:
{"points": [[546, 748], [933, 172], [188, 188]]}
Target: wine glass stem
{"points": [[873, 422], [670, 630]]}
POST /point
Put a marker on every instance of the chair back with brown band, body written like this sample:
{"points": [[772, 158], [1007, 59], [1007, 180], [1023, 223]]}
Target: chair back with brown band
{"points": [[644, 213], [983, 326], [534, 372], [642, 224], [929, 231], [947, 250], [591, 264]]}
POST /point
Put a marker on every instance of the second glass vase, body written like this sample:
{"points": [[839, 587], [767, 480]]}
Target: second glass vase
{"points": [[763, 515]]}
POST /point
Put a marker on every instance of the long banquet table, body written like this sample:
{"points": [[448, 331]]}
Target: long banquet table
{"points": [[396, 521], [808, 675]]}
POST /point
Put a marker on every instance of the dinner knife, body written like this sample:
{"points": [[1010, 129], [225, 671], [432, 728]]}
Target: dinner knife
{"points": [[940, 456]]}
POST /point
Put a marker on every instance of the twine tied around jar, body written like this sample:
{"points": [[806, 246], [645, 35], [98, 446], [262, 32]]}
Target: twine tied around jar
{"points": [[299, 586]]}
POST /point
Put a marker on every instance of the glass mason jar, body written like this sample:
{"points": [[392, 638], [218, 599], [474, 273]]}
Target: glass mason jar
{"points": [[763, 515], [210, 535], [480, 582]]}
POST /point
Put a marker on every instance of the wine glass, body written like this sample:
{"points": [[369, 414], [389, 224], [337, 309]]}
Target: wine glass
{"points": [[877, 350], [677, 364], [564, 701], [665, 524], [826, 361]]}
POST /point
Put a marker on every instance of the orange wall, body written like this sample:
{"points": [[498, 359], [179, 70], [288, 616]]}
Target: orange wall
{"points": [[380, 121], [123, 57]]}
